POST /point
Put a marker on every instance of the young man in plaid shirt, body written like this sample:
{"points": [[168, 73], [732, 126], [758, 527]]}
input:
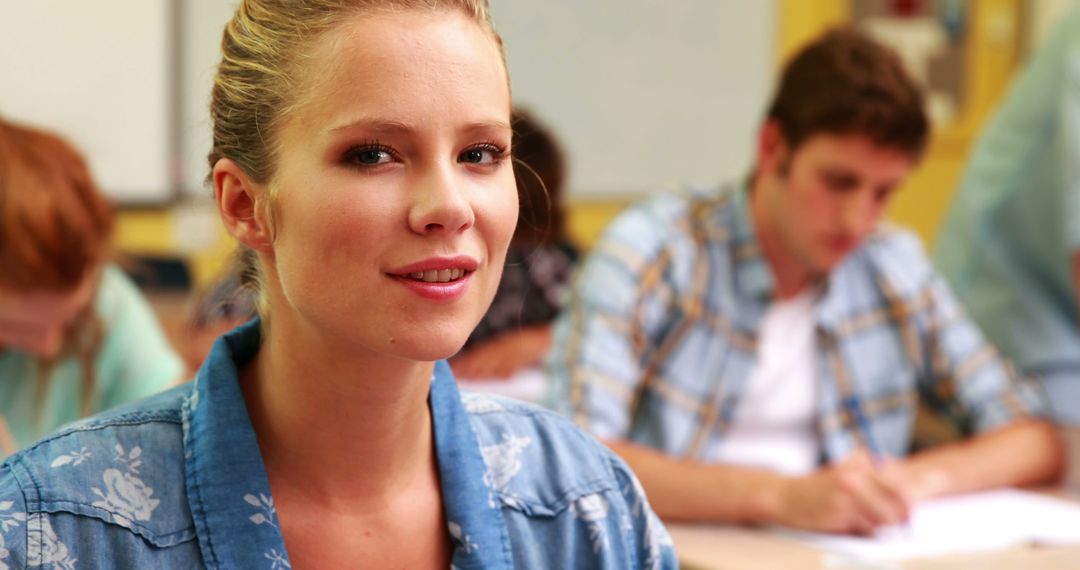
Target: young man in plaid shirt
{"points": [[759, 353]]}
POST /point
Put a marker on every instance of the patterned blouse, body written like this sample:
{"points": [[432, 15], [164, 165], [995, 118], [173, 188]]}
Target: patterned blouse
{"points": [[176, 481]]}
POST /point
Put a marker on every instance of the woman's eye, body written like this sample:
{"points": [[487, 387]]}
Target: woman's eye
{"points": [[488, 154], [368, 156]]}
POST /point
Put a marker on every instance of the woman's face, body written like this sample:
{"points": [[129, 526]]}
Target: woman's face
{"points": [[36, 322], [394, 196]]}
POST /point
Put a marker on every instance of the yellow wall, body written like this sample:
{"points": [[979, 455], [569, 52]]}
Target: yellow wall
{"points": [[992, 57], [799, 21]]}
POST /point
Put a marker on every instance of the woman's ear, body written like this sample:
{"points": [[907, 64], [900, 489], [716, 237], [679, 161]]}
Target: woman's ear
{"points": [[238, 201]]}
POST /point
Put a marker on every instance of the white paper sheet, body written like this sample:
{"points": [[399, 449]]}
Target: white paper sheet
{"points": [[966, 523]]}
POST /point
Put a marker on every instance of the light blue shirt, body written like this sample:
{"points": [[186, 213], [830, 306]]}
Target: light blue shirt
{"points": [[177, 481], [1008, 241], [134, 361], [661, 335]]}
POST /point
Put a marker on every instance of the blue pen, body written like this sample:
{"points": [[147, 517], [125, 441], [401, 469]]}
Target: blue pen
{"points": [[854, 407]]}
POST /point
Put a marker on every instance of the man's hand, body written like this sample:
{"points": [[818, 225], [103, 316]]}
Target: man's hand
{"points": [[852, 497]]}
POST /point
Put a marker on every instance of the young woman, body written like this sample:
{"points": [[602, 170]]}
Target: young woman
{"points": [[360, 150], [76, 337]]}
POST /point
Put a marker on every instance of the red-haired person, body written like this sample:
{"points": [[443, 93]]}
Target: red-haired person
{"points": [[76, 337]]}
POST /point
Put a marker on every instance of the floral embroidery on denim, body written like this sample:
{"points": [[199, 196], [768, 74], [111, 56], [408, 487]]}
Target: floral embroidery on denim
{"points": [[476, 403], [8, 521], [593, 510], [44, 548], [656, 536], [268, 516], [462, 540], [266, 504], [278, 560], [503, 461], [126, 496], [74, 458]]}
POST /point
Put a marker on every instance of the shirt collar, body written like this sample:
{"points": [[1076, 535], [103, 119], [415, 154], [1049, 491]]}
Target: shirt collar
{"points": [[229, 493], [753, 276], [476, 525]]}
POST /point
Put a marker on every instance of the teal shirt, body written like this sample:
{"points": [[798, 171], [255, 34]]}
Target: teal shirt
{"points": [[1007, 244], [135, 360]]}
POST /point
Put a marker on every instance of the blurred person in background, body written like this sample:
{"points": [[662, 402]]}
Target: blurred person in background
{"points": [[515, 333], [1010, 244], [759, 354], [224, 304], [76, 336]]}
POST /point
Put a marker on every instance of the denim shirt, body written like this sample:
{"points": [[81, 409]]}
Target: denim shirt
{"points": [[176, 481]]}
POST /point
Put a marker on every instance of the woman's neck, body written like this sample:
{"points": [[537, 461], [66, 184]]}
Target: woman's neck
{"points": [[341, 428]]}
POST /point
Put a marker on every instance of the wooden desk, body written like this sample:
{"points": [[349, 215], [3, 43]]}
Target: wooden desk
{"points": [[716, 547], [707, 547]]}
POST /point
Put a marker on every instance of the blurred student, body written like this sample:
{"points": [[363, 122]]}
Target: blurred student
{"points": [[76, 337], [1009, 245], [226, 303], [361, 151], [515, 333], [757, 354]]}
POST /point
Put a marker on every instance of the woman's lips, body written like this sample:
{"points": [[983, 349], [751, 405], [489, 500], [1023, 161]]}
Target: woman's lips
{"points": [[438, 278]]}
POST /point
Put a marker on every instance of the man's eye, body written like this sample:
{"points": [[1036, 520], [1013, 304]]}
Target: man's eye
{"points": [[840, 183]]}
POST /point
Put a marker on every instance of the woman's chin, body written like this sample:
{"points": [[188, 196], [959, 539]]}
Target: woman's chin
{"points": [[430, 349]]}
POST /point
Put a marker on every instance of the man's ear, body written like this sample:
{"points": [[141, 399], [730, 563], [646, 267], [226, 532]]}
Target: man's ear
{"points": [[238, 201], [771, 147]]}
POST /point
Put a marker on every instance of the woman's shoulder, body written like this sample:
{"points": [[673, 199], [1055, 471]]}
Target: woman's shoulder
{"points": [[536, 457], [122, 468], [543, 468]]}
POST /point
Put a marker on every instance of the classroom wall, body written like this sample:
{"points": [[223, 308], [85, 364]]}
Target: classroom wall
{"points": [[644, 95], [582, 118], [99, 73], [994, 44]]}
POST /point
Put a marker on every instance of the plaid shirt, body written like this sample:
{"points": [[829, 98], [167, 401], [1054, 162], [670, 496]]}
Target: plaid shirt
{"points": [[660, 336]]}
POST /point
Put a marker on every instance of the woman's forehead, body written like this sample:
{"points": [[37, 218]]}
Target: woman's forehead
{"points": [[405, 68]]}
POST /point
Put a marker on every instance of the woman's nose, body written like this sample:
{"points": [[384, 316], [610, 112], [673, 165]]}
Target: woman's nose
{"points": [[441, 204]]}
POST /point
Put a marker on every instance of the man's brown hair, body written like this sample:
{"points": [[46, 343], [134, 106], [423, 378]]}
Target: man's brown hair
{"points": [[845, 83]]}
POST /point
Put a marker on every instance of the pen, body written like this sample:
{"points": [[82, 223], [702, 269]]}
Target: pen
{"points": [[854, 408]]}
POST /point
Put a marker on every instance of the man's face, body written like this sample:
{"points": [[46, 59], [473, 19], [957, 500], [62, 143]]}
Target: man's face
{"points": [[825, 198]]}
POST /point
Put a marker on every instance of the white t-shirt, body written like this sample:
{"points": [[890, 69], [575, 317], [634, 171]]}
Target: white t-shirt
{"points": [[774, 424]]}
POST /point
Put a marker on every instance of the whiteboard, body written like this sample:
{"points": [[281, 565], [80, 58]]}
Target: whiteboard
{"points": [[99, 73], [644, 94]]}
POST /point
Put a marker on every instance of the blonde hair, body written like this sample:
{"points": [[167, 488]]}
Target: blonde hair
{"points": [[259, 78]]}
